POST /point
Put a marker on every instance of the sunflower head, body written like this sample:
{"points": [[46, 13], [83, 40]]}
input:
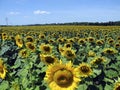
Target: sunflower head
{"points": [[24, 53], [42, 36], [3, 70], [19, 41], [98, 60], [91, 39], [69, 53], [60, 40], [70, 40], [30, 46], [4, 36], [110, 51], [48, 59], [51, 41], [111, 41], [118, 38], [117, 84], [117, 45], [81, 41], [99, 42], [84, 70], [68, 45], [45, 48], [61, 76], [29, 39], [91, 53]]}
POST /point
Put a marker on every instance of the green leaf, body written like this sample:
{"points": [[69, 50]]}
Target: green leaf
{"points": [[82, 87], [23, 72], [108, 87], [37, 88], [111, 73], [17, 63], [25, 82], [4, 85]]}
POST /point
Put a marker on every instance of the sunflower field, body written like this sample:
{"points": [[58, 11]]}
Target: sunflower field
{"points": [[60, 58]]}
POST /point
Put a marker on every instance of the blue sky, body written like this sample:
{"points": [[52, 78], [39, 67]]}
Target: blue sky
{"points": [[19, 12]]}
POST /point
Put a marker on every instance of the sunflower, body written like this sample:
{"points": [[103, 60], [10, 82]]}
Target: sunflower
{"points": [[29, 39], [3, 70], [61, 49], [98, 60], [117, 84], [91, 39], [99, 42], [30, 46], [68, 45], [69, 53], [42, 36], [110, 51], [51, 41], [111, 41], [60, 40], [84, 70], [61, 76], [81, 41], [24, 53], [70, 40], [4, 36], [19, 41], [117, 45], [48, 59], [45, 48], [91, 53]]}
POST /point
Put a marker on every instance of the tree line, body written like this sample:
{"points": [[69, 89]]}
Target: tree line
{"points": [[110, 23]]}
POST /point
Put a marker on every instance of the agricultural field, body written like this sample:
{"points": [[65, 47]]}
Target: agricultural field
{"points": [[60, 58]]}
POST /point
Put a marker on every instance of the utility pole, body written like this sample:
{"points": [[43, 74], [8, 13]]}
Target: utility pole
{"points": [[6, 19]]}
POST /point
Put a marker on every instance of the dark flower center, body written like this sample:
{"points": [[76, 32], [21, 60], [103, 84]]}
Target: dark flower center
{"points": [[84, 69], [49, 59], [47, 48]]}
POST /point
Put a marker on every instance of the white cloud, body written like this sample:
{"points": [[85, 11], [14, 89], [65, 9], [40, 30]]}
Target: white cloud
{"points": [[41, 12], [14, 13]]}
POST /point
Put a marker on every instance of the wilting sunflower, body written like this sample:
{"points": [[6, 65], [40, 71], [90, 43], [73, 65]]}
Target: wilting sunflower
{"points": [[19, 41], [48, 59], [69, 53], [30, 46], [3, 70], [61, 76], [45, 48], [110, 51], [98, 60], [84, 70], [24, 53]]}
